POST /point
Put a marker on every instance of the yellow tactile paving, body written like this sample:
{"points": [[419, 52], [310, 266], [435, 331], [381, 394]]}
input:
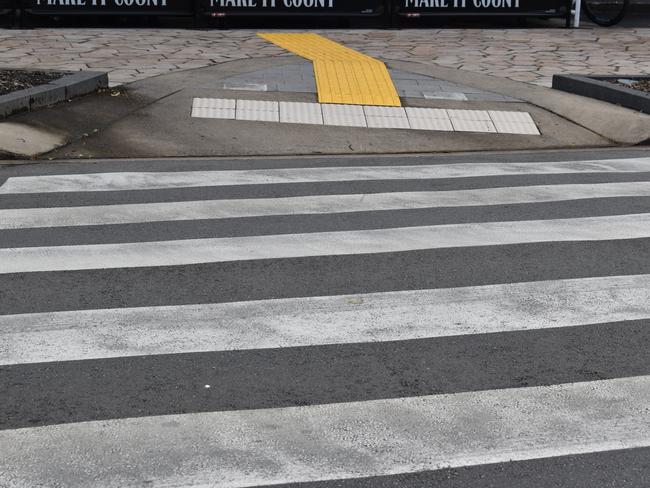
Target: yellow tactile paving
{"points": [[314, 46], [343, 75]]}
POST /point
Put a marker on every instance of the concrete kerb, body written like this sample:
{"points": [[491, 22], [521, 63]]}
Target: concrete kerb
{"points": [[601, 88], [72, 84], [618, 124]]}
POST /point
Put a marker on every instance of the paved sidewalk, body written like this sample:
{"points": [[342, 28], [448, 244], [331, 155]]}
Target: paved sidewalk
{"points": [[527, 55], [299, 78]]}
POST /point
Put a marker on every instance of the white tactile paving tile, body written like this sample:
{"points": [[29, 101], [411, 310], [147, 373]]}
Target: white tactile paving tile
{"points": [[426, 113], [301, 113], [258, 110], [461, 125], [222, 103], [213, 113], [345, 115], [506, 116], [374, 111], [429, 119], [516, 128], [469, 114], [513, 122], [386, 117], [388, 122], [419, 118], [257, 105], [422, 123], [258, 115]]}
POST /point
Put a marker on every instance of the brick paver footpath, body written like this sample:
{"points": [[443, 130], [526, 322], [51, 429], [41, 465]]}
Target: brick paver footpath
{"points": [[528, 55]]}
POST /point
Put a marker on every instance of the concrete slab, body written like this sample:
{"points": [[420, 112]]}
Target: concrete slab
{"points": [[159, 124], [24, 140], [299, 78], [444, 95], [614, 123]]}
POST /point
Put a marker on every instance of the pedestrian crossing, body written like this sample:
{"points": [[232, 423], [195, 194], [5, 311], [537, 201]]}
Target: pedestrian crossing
{"points": [[400, 239], [149, 180], [351, 319], [353, 439], [318, 204], [319, 323]]}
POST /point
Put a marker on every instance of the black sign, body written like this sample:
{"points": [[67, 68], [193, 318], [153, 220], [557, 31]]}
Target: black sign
{"points": [[482, 7], [154, 7], [296, 7], [6, 7], [550, 8]]}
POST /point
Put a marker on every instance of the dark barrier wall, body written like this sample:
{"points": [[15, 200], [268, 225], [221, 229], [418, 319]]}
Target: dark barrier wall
{"points": [[6, 7], [292, 7], [544, 8], [121, 7], [218, 8]]}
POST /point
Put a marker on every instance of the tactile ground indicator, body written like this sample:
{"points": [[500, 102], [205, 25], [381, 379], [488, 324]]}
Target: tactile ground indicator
{"points": [[343, 75], [369, 116]]}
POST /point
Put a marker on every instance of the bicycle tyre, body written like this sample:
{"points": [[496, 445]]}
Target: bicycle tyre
{"points": [[605, 20]]}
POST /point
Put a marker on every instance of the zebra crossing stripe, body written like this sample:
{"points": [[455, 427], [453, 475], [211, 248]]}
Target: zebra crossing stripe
{"points": [[320, 275], [336, 441], [192, 251], [316, 204], [167, 384], [184, 179], [370, 317]]}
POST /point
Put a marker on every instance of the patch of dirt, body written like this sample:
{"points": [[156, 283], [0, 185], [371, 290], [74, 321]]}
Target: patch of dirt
{"points": [[12, 80], [641, 85]]}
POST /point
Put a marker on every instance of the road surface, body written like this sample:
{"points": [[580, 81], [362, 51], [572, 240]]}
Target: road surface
{"points": [[449, 321]]}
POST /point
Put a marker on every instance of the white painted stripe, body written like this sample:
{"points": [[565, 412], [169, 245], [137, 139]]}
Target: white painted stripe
{"points": [[152, 180], [373, 317], [193, 251], [319, 204], [336, 441]]}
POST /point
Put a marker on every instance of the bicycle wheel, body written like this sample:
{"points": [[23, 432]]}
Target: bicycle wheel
{"points": [[605, 12]]}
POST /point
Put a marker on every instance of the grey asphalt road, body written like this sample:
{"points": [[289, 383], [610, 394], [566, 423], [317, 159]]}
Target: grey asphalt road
{"points": [[402, 321]]}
